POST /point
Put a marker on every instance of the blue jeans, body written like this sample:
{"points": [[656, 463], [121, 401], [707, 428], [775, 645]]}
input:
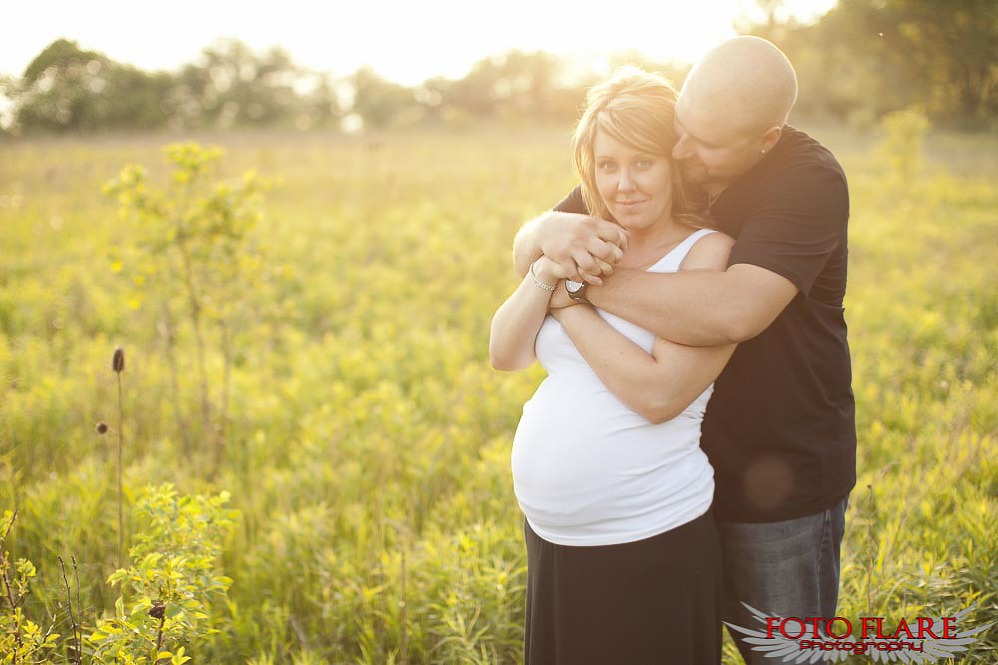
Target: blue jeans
{"points": [[787, 569]]}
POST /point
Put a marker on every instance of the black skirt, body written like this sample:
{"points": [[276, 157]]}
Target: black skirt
{"points": [[649, 602]]}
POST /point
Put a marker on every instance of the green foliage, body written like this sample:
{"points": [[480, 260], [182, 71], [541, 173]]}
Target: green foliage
{"points": [[60, 53], [516, 84], [902, 145], [196, 261], [856, 63], [864, 59], [377, 101], [233, 86], [21, 640], [68, 89], [369, 439], [167, 592]]}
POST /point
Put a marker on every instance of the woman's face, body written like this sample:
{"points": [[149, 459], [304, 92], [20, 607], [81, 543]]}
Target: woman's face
{"points": [[636, 186]]}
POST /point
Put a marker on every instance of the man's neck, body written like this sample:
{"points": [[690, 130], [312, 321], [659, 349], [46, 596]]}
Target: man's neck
{"points": [[714, 189]]}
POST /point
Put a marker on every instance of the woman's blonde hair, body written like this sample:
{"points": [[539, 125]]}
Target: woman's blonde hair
{"points": [[636, 108]]}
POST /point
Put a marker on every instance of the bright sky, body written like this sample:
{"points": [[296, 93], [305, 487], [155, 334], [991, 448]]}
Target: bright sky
{"points": [[406, 41]]}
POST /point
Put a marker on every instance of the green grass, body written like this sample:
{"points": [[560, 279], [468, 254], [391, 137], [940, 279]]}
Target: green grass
{"points": [[368, 448]]}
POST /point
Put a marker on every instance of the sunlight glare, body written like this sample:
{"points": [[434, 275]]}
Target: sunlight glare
{"points": [[405, 42]]}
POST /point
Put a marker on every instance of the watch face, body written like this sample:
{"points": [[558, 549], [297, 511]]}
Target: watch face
{"points": [[573, 286]]}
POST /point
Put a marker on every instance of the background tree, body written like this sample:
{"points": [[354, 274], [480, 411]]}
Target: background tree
{"points": [[318, 102], [231, 85], [862, 60], [378, 101], [67, 89], [512, 84], [857, 63]]}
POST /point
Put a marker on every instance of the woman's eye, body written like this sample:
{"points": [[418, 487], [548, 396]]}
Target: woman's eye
{"points": [[606, 166], [643, 163]]}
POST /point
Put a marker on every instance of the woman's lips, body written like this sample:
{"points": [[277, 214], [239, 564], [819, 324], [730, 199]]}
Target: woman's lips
{"points": [[629, 204]]}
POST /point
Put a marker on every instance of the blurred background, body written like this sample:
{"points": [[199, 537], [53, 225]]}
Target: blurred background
{"points": [[109, 66], [295, 219]]}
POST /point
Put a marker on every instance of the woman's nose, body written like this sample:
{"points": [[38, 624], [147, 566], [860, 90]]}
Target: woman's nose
{"points": [[625, 183]]}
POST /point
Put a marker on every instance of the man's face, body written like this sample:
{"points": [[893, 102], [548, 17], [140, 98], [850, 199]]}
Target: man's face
{"points": [[712, 150]]}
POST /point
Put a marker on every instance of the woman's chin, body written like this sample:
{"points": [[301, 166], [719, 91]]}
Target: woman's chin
{"points": [[633, 221]]}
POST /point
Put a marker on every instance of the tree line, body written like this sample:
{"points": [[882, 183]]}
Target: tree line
{"points": [[866, 58], [66, 89], [859, 61]]}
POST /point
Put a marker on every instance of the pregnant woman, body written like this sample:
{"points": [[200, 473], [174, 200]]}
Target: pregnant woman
{"points": [[623, 559]]}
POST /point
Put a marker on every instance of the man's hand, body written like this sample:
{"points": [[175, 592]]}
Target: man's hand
{"points": [[560, 298], [584, 247]]}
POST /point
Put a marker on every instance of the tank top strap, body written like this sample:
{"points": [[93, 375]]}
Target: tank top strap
{"points": [[671, 261]]}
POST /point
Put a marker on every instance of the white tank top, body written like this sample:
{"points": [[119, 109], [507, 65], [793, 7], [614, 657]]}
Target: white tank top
{"points": [[587, 470]]}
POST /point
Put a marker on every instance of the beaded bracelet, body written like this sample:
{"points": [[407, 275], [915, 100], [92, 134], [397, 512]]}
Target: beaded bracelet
{"points": [[546, 287]]}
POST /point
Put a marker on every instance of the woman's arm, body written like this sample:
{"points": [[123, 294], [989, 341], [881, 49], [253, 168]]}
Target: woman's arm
{"points": [[659, 385], [517, 321]]}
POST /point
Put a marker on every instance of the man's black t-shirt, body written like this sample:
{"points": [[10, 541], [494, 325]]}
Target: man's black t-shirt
{"points": [[780, 427]]}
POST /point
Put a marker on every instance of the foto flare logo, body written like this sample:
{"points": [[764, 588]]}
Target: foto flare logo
{"points": [[830, 640]]}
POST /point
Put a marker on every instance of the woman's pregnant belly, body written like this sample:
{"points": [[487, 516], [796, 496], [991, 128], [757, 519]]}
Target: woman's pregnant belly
{"points": [[585, 464]]}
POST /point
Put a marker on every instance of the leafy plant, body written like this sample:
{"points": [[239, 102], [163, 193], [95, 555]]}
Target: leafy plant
{"points": [[901, 147], [195, 259], [22, 641], [377, 517], [167, 592]]}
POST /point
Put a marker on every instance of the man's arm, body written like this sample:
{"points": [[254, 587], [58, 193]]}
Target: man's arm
{"points": [[780, 252], [659, 385], [697, 307]]}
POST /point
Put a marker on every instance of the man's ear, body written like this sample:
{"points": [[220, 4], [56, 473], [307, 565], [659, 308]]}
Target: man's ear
{"points": [[770, 137]]}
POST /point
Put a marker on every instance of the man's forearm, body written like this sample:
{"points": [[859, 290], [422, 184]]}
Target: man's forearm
{"points": [[693, 307], [526, 248]]}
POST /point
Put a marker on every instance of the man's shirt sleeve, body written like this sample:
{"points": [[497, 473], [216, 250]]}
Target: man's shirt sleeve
{"points": [[798, 227], [573, 203]]}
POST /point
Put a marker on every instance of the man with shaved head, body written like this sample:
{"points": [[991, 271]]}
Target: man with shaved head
{"points": [[780, 427], [733, 108]]}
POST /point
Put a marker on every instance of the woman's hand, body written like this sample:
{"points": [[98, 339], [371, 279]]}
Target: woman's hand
{"points": [[548, 271]]}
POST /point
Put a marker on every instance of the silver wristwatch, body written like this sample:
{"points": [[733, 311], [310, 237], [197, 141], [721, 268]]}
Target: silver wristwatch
{"points": [[577, 290]]}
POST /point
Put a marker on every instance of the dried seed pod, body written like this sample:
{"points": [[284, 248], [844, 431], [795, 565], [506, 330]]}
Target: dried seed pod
{"points": [[102, 427], [158, 610], [118, 364]]}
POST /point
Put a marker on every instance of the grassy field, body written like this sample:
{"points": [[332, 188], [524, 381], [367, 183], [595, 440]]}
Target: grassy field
{"points": [[354, 418]]}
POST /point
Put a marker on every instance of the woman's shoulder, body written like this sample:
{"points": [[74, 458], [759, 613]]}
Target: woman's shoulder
{"points": [[709, 252]]}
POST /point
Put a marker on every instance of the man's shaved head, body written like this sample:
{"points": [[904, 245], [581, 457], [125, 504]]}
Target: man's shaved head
{"points": [[746, 83], [731, 110]]}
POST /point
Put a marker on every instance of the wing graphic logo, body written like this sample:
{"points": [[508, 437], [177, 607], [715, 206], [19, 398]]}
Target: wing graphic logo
{"points": [[816, 640]]}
